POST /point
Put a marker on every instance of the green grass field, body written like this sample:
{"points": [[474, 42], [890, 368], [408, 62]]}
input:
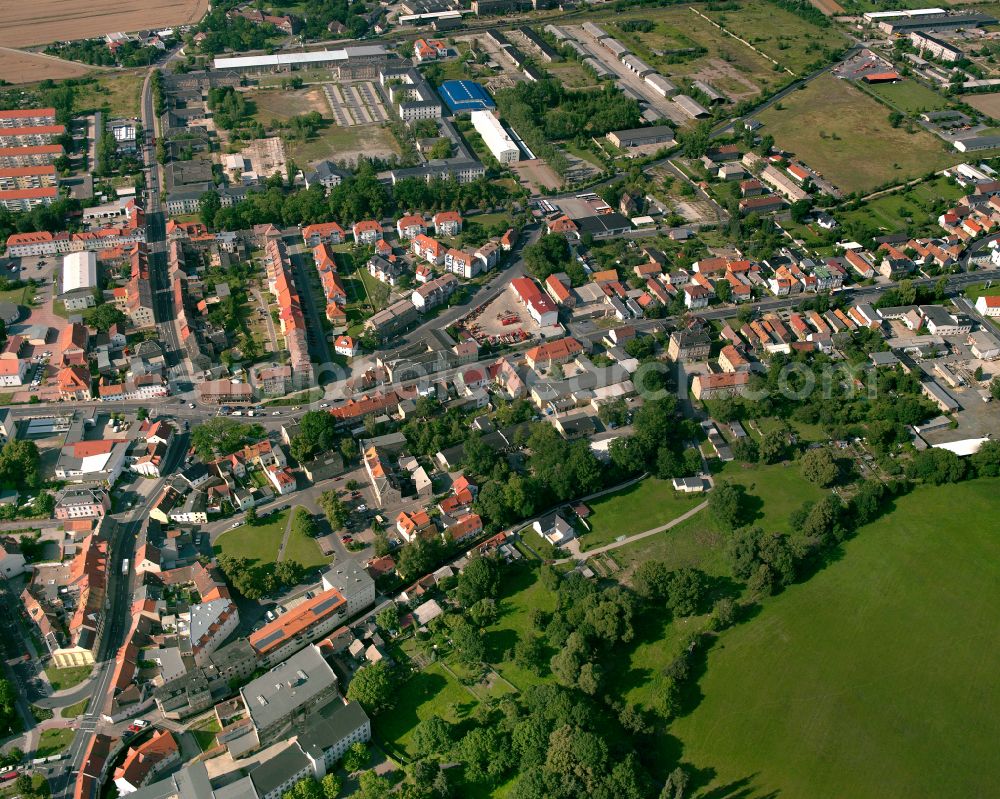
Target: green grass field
{"points": [[912, 209], [909, 96], [204, 734], [62, 679], [694, 47], [792, 41], [431, 692], [773, 492], [53, 741], [521, 592], [258, 542], [116, 93], [72, 711], [639, 507], [876, 677], [844, 134], [304, 550]]}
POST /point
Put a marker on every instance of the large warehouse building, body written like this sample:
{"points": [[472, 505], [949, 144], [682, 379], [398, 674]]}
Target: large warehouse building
{"points": [[353, 56], [463, 96], [497, 139], [79, 280]]}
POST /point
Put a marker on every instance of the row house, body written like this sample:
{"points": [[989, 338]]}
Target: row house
{"points": [[696, 296], [895, 263], [860, 263]]}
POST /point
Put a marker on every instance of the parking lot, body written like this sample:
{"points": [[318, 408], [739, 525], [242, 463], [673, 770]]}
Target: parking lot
{"points": [[358, 103]]}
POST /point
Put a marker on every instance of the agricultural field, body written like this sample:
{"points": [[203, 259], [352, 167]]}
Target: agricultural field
{"points": [[988, 104], [684, 45], [910, 97], [47, 21], [872, 679], [642, 506], [17, 66], [846, 136], [795, 43]]}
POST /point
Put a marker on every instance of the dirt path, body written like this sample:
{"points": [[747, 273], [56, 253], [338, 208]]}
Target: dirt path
{"points": [[574, 545]]}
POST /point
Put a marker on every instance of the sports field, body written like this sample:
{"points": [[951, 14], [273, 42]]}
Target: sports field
{"points": [[45, 21], [846, 135], [876, 678]]}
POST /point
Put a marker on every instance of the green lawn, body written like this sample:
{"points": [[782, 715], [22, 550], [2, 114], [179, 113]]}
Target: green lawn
{"points": [[116, 93], [875, 678], [67, 678], [431, 692], [53, 741], [639, 507], [979, 289], [774, 491], [72, 711], [845, 135], [21, 296], [258, 542], [204, 734], [304, 550], [521, 592], [683, 43]]}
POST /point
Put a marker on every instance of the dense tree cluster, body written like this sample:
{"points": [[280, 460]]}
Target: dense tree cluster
{"points": [[658, 442], [255, 581], [51, 218], [360, 196], [544, 111], [228, 106], [97, 53], [316, 436], [20, 464], [846, 401], [555, 470], [224, 33], [551, 253], [557, 741], [9, 720], [222, 436], [431, 428]]}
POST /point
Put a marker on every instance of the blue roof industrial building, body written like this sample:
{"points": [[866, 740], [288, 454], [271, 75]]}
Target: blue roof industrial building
{"points": [[465, 95]]}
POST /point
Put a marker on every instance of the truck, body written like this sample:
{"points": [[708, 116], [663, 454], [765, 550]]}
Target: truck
{"points": [[125, 566]]}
